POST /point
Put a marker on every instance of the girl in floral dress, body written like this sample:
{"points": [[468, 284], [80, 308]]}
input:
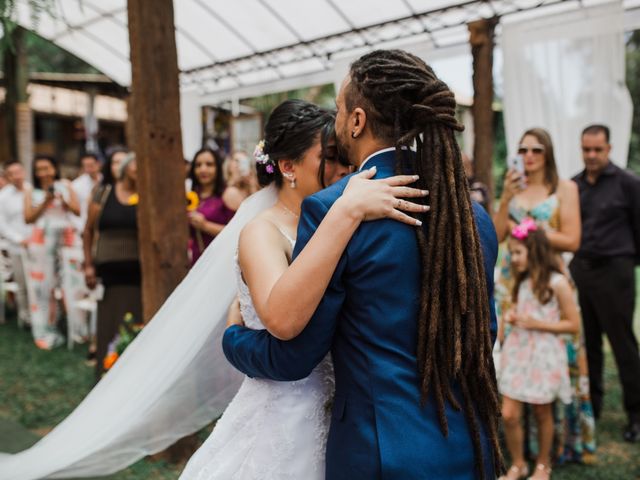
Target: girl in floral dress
{"points": [[534, 359], [554, 205]]}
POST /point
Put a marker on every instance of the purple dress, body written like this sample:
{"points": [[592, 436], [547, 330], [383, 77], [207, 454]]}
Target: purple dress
{"points": [[214, 210]]}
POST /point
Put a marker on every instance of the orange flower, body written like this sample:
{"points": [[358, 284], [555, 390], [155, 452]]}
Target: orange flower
{"points": [[133, 199], [109, 360], [37, 276], [192, 201]]}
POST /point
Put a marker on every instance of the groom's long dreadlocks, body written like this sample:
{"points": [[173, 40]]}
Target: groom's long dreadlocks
{"points": [[406, 102]]}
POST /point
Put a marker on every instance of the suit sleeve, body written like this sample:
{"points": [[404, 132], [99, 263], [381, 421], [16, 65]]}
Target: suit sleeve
{"points": [[258, 354]]}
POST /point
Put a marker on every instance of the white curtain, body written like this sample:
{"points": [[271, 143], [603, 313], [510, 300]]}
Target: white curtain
{"points": [[563, 72]]}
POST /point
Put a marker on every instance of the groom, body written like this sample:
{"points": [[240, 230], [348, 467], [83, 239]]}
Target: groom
{"points": [[408, 315]]}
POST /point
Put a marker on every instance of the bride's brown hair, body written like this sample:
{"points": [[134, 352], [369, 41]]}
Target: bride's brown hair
{"points": [[292, 128]]}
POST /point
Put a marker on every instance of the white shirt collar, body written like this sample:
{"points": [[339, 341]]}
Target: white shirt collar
{"points": [[384, 150]]}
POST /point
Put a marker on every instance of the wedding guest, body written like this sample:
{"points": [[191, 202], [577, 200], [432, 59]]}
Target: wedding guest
{"points": [[533, 364], [604, 269], [212, 213], [479, 191], [49, 206], [16, 231], [84, 184], [3, 179], [554, 205], [240, 177], [110, 241]]}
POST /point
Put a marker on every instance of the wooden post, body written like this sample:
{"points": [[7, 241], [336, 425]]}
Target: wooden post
{"points": [[9, 133], [162, 219], [19, 118], [481, 38]]}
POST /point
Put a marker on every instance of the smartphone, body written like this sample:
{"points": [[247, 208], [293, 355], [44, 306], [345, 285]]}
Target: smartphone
{"points": [[517, 163], [243, 165]]}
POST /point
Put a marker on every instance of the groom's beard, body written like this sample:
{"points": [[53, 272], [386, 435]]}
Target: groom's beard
{"points": [[343, 151]]}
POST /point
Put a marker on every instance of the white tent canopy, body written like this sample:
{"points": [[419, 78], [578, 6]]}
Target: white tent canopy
{"points": [[225, 45], [245, 48]]}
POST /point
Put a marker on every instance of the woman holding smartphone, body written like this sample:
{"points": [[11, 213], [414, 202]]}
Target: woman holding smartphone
{"points": [[48, 206], [533, 189]]}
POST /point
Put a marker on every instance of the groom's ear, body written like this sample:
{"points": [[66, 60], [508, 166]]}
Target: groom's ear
{"points": [[359, 117]]}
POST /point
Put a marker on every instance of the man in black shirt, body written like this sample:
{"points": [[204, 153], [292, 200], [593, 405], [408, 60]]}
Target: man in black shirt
{"points": [[604, 269]]}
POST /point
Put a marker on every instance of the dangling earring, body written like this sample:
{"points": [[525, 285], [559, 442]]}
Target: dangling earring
{"points": [[292, 180]]}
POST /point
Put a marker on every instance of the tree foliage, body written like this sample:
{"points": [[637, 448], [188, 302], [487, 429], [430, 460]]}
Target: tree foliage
{"points": [[633, 84], [43, 55], [8, 13]]}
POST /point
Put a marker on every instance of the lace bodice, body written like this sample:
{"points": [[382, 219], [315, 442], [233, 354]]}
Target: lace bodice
{"points": [[249, 315]]}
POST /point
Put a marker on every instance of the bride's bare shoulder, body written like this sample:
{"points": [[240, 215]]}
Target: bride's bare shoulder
{"points": [[259, 231]]}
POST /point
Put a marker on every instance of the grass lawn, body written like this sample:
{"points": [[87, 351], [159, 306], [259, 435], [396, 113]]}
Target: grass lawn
{"points": [[38, 389]]}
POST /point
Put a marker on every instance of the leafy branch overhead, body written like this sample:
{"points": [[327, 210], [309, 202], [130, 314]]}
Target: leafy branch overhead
{"points": [[9, 13]]}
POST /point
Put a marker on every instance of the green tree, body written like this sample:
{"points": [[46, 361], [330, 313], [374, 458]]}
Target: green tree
{"points": [[499, 153], [323, 95], [8, 16], [633, 84], [43, 55]]}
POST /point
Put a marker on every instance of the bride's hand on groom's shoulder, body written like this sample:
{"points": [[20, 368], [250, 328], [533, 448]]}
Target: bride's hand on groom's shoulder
{"points": [[234, 317], [369, 199]]}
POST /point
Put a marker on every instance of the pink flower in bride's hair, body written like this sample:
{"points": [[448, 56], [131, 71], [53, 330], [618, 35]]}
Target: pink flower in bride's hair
{"points": [[269, 168], [522, 230]]}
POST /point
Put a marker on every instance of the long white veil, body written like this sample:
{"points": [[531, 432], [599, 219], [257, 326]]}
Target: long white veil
{"points": [[171, 381]]}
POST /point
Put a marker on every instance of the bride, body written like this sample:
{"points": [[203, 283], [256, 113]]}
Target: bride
{"points": [[174, 379], [278, 430]]}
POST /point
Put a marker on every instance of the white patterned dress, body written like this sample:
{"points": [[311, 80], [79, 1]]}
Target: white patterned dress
{"points": [[533, 366], [271, 430]]}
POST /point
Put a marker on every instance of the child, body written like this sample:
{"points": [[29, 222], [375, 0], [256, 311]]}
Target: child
{"points": [[534, 357]]}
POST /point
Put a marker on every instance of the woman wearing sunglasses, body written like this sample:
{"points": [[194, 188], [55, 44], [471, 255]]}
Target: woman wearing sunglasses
{"points": [[554, 205]]}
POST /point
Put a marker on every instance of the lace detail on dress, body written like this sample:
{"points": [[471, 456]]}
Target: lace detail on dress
{"points": [[271, 430]]}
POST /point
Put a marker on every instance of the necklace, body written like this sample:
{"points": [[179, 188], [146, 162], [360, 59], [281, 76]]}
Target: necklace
{"points": [[284, 207]]}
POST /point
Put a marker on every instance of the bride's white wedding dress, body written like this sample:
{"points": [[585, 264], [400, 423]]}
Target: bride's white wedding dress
{"points": [[270, 430]]}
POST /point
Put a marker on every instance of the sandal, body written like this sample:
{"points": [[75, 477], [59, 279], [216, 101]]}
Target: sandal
{"points": [[516, 473], [541, 472]]}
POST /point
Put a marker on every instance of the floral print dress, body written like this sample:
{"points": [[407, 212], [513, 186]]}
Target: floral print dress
{"points": [[574, 438], [534, 363]]}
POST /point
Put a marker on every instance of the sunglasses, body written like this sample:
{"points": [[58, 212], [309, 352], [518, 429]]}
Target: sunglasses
{"points": [[537, 149]]}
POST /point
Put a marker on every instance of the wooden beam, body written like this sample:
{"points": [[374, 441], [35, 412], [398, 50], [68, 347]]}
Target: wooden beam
{"points": [[481, 38], [162, 219]]}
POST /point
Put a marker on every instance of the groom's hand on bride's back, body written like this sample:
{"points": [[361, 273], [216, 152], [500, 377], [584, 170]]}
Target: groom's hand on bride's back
{"points": [[234, 317]]}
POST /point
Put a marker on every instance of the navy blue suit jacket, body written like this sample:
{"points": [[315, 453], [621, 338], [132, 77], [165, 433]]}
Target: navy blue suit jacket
{"points": [[368, 320]]}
